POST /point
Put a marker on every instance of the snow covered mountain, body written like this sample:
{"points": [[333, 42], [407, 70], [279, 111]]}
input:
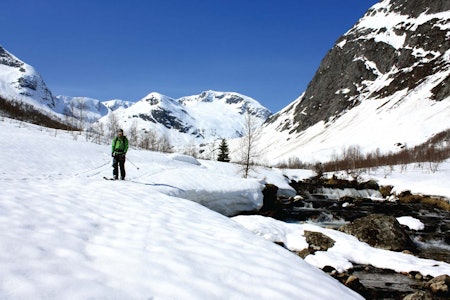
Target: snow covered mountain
{"points": [[188, 120], [192, 119], [88, 110], [386, 82], [20, 82], [384, 85]]}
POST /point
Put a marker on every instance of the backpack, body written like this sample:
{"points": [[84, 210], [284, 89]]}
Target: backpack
{"points": [[125, 141]]}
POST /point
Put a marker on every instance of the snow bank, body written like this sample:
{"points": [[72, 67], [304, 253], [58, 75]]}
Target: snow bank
{"points": [[411, 223], [184, 158], [228, 195], [346, 251]]}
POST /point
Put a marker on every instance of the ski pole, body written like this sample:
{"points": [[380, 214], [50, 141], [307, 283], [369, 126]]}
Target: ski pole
{"points": [[132, 163]]}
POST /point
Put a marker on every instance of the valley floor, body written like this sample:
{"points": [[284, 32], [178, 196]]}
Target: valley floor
{"points": [[67, 233]]}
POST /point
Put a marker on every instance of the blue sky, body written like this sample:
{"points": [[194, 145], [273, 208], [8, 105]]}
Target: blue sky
{"points": [[106, 49]]}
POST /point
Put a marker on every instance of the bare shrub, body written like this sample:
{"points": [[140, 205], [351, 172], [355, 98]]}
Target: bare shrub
{"points": [[249, 152], [164, 144], [433, 152], [113, 124], [21, 111]]}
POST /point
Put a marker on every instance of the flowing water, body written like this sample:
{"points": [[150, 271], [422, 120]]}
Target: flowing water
{"points": [[432, 242]]}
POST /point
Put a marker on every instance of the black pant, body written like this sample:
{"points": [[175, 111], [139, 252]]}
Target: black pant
{"points": [[119, 161]]}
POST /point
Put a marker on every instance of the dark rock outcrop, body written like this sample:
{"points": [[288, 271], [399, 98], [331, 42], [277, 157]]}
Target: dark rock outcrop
{"points": [[380, 231], [270, 200]]}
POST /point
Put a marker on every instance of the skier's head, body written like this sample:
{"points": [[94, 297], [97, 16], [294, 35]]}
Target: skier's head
{"points": [[120, 131]]}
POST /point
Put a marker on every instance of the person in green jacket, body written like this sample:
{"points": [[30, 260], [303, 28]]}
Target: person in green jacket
{"points": [[119, 150]]}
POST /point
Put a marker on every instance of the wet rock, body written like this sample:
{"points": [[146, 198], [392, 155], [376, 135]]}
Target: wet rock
{"points": [[439, 285], [420, 295], [370, 185], [353, 283], [349, 280], [380, 231], [305, 252], [447, 238], [318, 241], [270, 201], [330, 270], [431, 201], [386, 190]]}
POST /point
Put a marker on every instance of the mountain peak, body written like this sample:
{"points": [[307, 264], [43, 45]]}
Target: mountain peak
{"points": [[10, 60], [203, 117], [155, 98], [240, 103]]}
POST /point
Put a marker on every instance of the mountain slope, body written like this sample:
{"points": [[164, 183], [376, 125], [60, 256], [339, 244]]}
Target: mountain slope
{"points": [[88, 110], [192, 119], [386, 81], [20, 82], [186, 121]]}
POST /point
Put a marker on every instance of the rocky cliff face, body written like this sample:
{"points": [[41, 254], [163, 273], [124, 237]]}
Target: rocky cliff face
{"points": [[396, 46]]}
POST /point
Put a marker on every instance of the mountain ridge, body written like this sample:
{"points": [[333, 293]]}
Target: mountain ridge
{"points": [[207, 116], [201, 118], [394, 61]]}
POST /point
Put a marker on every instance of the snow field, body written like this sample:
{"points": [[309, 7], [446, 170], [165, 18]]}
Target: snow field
{"points": [[66, 233]]}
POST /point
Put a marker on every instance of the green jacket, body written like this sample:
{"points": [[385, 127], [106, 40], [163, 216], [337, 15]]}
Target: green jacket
{"points": [[120, 145]]}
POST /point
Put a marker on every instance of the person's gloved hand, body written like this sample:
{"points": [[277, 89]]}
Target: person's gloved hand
{"points": [[113, 154]]}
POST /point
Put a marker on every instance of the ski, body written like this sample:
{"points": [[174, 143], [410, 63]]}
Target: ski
{"points": [[110, 178]]}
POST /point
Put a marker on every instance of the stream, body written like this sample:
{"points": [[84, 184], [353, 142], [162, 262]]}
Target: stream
{"points": [[330, 208]]}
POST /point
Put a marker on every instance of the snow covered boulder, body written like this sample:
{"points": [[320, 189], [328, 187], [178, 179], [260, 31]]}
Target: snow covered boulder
{"points": [[380, 231], [223, 193]]}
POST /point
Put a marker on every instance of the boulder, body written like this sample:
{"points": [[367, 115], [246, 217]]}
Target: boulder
{"points": [[380, 231], [270, 201], [440, 285], [318, 241], [419, 295]]}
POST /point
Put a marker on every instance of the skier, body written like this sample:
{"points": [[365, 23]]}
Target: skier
{"points": [[119, 150]]}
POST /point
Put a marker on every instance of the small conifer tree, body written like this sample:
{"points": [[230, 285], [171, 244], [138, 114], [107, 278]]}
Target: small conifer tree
{"points": [[223, 151]]}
